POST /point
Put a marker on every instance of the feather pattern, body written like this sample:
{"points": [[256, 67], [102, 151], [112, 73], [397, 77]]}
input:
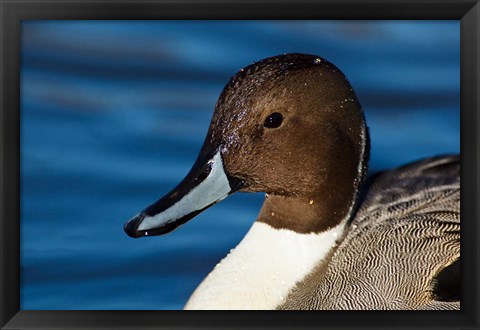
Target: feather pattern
{"points": [[405, 232]]}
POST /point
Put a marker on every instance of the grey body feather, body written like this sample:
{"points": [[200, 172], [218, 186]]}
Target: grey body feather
{"points": [[404, 234]]}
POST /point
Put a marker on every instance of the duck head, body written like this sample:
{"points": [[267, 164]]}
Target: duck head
{"points": [[290, 126]]}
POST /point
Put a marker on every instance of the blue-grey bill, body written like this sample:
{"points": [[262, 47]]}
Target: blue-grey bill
{"points": [[205, 184]]}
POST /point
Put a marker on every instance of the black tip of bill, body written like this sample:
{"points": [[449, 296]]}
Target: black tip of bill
{"points": [[132, 225], [205, 185]]}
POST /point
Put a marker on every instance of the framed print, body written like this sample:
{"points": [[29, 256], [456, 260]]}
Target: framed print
{"points": [[337, 141]]}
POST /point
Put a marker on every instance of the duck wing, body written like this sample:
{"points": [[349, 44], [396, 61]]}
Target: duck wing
{"points": [[415, 186], [402, 250]]}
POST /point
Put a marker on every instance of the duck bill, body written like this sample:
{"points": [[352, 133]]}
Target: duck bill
{"points": [[206, 184]]}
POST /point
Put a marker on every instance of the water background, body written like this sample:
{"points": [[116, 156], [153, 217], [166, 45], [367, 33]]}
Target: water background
{"points": [[114, 113]]}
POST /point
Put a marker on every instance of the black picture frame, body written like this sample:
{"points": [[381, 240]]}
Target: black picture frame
{"points": [[13, 12]]}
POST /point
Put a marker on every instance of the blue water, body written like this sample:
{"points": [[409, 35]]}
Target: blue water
{"points": [[113, 115]]}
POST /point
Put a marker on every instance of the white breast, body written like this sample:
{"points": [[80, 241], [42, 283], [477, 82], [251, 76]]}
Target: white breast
{"points": [[263, 268]]}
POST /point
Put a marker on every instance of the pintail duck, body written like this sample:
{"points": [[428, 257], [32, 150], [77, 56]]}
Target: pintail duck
{"points": [[291, 126]]}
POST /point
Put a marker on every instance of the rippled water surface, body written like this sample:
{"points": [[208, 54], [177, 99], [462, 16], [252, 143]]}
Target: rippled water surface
{"points": [[114, 113]]}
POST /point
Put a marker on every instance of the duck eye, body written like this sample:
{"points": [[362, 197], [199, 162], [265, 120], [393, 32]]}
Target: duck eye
{"points": [[274, 120]]}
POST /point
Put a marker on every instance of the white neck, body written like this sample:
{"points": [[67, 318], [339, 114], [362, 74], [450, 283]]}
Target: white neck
{"points": [[260, 272]]}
